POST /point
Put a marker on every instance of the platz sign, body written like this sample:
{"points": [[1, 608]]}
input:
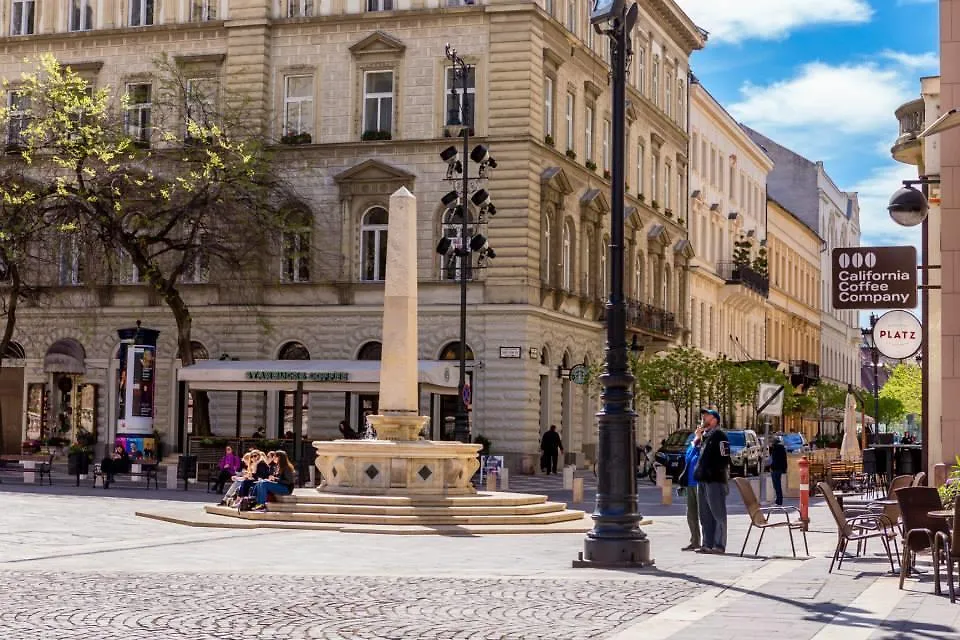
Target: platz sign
{"points": [[875, 277]]}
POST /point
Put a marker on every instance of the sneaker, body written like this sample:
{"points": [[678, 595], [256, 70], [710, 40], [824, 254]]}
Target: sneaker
{"points": [[719, 551], [691, 547], [260, 508]]}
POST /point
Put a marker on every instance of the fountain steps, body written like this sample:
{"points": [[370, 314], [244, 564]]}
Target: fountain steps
{"points": [[418, 511], [479, 499]]}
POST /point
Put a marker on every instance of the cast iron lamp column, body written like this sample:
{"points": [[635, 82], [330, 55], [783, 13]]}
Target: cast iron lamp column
{"points": [[875, 359], [616, 538]]}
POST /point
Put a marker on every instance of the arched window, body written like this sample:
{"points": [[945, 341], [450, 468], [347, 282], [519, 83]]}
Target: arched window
{"points": [[15, 351], [452, 352], [453, 228], [545, 250], [370, 351], [295, 248], [373, 244], [567, 258], [293, 351]]}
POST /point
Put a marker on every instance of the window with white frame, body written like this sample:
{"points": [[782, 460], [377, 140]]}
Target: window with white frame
{"points": [[703, 158], [71, 263], [606, 145], [567, 259], [586, 287], [453, 89], [681, 194], [298, 114], [668, 101], [638, 278], [641, 157], [548, 6], [545, 250], [203, 10], [201, 107], [587, 26], [571, 105], [452, 228], [295, 249], [695, 150], [655, 80], [732, 182], [18, 117], [681, 102], [641, 61], [379, 5], [127, 271], [22, 17], [603, 267], [378, 102], [667, 182], [139, 108], [654, 176], [141, 13], [198, 267], [373, 244], [588, 133], [301, 8], [572, 15], [81, 15], [548, 106]]}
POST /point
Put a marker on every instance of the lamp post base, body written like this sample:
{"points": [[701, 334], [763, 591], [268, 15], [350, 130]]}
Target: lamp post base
{"points": [[614, 553]]}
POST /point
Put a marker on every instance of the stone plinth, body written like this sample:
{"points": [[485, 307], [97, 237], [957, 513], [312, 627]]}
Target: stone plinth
{"points": [[385, 467], [395, 427]]}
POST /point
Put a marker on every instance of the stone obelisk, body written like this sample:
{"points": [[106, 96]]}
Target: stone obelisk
{"points": [[399, 418]]}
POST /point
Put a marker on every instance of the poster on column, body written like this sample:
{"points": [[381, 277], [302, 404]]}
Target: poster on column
{"points": [[143, 365]]}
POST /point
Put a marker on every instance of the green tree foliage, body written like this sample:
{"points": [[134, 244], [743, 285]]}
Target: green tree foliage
{"points": [[184, 193], [741, 252], [891, 410], [905, 385]]}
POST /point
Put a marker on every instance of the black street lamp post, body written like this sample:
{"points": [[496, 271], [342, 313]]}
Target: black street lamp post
{"points": [[616, 538], [868, 338]]}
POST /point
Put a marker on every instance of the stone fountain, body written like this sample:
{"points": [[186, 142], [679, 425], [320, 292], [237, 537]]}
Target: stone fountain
{"points": [[398, 461]]}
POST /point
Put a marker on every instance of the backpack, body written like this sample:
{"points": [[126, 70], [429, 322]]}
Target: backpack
{"points": [[245, 504]]}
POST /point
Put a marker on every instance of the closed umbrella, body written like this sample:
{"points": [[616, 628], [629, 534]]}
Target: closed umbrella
{"points": [[850, 448]]}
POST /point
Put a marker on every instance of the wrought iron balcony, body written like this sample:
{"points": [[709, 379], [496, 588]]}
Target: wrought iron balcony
{"points": [[649, 318], [908, 148], [734, 273], [803, 370]]}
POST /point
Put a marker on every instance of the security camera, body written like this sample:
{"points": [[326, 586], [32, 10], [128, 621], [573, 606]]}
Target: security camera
{"points": [[481, 198], [478, 242], [908, 207], [450, 199], [450, 156]]}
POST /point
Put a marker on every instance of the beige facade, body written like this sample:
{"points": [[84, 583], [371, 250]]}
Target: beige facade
{"points": [[728, 189], [335, 71]]}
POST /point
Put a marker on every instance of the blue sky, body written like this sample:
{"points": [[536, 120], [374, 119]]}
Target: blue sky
{"points": [[823, 77]]}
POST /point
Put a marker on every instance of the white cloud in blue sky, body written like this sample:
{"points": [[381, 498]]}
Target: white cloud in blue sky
{"points": [[740, 20]]}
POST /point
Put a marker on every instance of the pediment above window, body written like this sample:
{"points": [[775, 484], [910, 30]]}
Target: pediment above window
{"points": [[684, 248], [373, 177], [378, 42], [552, 59], [555, 179], [594, 201], [658, 238]]}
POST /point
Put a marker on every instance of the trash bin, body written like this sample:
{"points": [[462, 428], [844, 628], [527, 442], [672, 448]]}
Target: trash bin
{"points": [[186, 469]]}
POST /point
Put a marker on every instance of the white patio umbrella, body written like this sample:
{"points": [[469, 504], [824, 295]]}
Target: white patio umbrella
{"points": [[850, 448]]}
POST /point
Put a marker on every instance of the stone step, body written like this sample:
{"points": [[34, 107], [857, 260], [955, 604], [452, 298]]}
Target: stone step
{"points": [[400, 510], [480, 499], [395, 520]]}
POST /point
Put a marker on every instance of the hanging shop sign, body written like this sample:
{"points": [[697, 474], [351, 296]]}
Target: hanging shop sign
{"points": [[875, 278], [898, 334]]}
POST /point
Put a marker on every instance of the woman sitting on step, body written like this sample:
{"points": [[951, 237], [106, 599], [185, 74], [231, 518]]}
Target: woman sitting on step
{"points": [[280, 483], [237, 480], [258, 469]]}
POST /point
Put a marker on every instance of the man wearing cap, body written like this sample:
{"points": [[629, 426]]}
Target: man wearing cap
{"points": [[711, 474]]}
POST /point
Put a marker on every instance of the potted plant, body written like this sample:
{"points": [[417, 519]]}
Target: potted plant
{"points": [[741, 253], [606, 174], [590, 164], [485, 441], [30, 447], [626, 186], [571, 154], [548, 139], [760, 263], [78, 460], [668, 213], [950, 490], [641, 197], [681, 221], [376, 135], [655, 204]]}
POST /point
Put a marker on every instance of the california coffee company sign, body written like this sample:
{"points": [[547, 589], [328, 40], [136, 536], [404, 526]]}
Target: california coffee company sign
{"points": [[875, 278]]}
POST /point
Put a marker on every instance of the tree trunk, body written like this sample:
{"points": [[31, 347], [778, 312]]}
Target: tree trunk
{"points": [[201, 401], [16, 285]]}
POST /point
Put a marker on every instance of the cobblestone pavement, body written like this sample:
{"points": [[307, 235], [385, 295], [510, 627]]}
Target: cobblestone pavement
{"points": [[189, 605]]}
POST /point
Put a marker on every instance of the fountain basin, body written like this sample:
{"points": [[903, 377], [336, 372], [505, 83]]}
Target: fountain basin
{"points": [[388, 467]]}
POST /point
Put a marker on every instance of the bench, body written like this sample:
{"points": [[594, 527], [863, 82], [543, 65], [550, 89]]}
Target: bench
{"points": [[147, 470], [42, 466]]}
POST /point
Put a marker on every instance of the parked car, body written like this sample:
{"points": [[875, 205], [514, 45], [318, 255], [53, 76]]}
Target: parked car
{"points": [[746, 454], [671, 452], [794, 442]]}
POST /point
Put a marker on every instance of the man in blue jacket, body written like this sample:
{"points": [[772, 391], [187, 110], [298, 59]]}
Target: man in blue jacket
{"points": [[689, 482]]}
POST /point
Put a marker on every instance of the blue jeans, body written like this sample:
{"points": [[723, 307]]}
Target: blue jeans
{"points": [[266, 487], [777, 477]]}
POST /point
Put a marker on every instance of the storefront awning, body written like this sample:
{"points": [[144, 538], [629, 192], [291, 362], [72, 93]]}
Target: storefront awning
{"points": [[363, 376], [65, 356]]}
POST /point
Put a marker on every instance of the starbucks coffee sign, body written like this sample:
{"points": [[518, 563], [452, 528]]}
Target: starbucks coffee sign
{"points": [[299, 376]]}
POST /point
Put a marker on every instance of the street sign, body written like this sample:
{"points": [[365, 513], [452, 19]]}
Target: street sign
{"points": [[510, 352], [875, 278], [770, 395], [897, 334]]}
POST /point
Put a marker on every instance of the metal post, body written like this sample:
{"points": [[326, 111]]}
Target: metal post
{"points": [[616, 538], [875, 356], [763, 466], [924, 337]]}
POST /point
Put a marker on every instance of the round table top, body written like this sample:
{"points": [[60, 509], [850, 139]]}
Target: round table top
{"points": [[942, 513]]}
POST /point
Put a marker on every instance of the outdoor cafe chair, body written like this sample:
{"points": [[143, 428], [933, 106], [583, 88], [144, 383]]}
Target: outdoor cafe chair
{"points": [[858, 528], [950, 545], [919, 479], [760, 518], [920, 528]]}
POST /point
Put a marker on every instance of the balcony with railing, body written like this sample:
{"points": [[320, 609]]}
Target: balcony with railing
{"points": [[804, 373], [908, 147], [740, 274], [645, 317]]}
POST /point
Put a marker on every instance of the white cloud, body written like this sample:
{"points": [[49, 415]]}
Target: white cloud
{"points": [[913, 61], [739, 20], [877, 229], [825, 100]]}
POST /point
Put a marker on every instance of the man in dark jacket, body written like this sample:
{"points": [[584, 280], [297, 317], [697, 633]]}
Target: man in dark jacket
{"points": [[552, 447], [778, 467], [712, 473]]}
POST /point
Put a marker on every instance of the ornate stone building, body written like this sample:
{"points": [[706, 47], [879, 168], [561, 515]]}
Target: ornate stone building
{"points": [[357, 93]]}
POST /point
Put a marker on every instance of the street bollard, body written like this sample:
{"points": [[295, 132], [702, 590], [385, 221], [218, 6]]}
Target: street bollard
{"points": [[667, 491], [491, 481], [805, 492], [504, 479], [577, 491], [568, 477], [171, 476]]}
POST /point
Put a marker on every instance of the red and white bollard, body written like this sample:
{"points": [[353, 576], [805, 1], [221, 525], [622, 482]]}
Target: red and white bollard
{"points": [[804, 465]]}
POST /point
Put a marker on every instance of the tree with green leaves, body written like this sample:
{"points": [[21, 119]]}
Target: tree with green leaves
{"points": [[173, 193], [891, 410], [905, 384]]}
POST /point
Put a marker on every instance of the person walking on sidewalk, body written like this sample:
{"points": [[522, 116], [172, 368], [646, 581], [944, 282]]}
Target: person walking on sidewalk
{"points": [[778, 467], [712, 473], [552, 447], [689, 484]]}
